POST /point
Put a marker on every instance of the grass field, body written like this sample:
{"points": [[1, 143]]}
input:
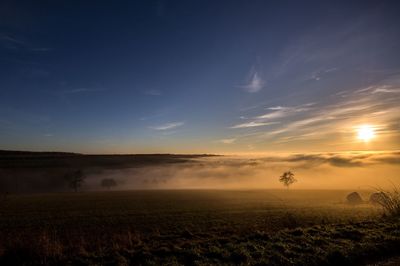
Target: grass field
{"points": [[275, 227]]}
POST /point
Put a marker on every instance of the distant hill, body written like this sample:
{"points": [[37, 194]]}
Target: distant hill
{"points": [[29, 159], [26, 171], [8, 153]]}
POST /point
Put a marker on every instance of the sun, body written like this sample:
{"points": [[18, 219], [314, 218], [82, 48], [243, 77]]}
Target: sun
{"points": [[365, 133]]}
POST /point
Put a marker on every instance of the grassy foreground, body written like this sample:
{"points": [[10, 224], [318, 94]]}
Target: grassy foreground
{"points": [[194, 228]]}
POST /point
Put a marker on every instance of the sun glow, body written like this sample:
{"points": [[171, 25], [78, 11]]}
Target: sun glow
{"points": [[365, 133]]}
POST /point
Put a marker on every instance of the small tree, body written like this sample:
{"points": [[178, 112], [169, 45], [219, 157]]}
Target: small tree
{"points": [[108, 183], [75, 179], [287, 178]]}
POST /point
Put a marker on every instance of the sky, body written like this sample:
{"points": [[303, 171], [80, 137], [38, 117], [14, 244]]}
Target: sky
{"points": [[222, 77]]}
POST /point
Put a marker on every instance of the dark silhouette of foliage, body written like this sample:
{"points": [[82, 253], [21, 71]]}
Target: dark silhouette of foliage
{"points": [[354, 198], [287, 178], [108, 183], [75, 179]]}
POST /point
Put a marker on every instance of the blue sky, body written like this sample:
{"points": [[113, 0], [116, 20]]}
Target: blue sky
{"points": [[198, 76]]}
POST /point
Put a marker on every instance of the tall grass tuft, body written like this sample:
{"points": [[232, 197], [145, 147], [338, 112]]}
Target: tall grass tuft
{"points": [[390, 201]]}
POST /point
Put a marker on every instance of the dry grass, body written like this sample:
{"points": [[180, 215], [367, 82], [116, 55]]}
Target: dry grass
{"points": [[390, 201]]}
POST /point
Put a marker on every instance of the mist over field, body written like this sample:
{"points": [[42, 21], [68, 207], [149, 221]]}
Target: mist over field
{"points": [[47, 172], [350, 170]]}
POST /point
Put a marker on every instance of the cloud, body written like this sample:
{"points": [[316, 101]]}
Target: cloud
{"points": [[275, 108], [315, 76], [375, 89], [297, 125], [11, 42], [253, 124], [386, 89], [319, 74], [336, 115], [277, 112], [227, 141], [280, 111], [168, 126], [255, 84]]}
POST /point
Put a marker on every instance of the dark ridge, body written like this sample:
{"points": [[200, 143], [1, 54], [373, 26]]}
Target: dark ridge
{"points": [[25, 171], [35, 153], [23, 160]]}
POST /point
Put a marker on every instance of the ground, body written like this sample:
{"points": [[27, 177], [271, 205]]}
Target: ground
{"points": [[265, 227]]}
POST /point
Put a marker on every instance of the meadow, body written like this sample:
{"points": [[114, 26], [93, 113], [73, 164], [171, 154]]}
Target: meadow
{"points": [[194, 227]]}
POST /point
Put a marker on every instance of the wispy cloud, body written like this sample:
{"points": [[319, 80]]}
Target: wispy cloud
{"points": [[333, 120], [374, 89], [168, 126], [369, 104], [277, 113], [227, 141], [275, 108], [11, 39], [386, 89], [253, 124], [11, 42], [255, 83], [271, 117], [319, 74]]}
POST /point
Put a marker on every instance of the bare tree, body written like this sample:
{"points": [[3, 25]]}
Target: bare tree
{"points": [[75, 179], [108, 183], [287, 178]]}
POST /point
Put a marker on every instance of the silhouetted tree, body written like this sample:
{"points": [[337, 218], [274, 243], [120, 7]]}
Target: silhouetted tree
{"points": [[287, 178], [75, 179], [108, 183]]}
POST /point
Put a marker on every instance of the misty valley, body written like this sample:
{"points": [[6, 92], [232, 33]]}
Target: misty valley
{"points": [[193, 210], [200, 132]]}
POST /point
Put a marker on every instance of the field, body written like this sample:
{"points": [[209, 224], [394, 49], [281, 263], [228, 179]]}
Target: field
{"points": [[200, 227]]}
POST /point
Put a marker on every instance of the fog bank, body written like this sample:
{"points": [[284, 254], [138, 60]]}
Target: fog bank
{"points": [[350, 170]]}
